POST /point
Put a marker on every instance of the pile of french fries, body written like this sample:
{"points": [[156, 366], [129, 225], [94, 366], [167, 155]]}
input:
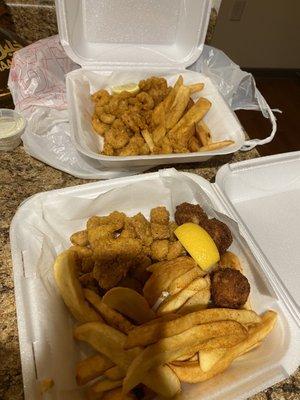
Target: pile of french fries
{"points": [[155, 341]]}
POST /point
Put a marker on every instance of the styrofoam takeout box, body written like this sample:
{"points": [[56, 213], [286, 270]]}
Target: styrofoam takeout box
{"points": [[261, 195], [119, 42]]}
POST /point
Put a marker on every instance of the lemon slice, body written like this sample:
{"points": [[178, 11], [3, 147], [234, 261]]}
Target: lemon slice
{"points": [[199, 244], [128, 87]]}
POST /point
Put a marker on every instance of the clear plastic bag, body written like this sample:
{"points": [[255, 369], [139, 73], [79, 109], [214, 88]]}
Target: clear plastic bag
{"points": [[37, 84]]}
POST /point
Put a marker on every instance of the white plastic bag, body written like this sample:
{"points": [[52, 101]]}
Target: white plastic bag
{"points": [[37, 84]]}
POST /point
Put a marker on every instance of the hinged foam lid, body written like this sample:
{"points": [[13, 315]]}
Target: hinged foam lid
{"points": [[265, 193], [140, 33]]}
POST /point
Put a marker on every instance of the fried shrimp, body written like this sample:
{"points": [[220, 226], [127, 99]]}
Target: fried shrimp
{"points": [[116, 138], [99, 126], [146, 100]]}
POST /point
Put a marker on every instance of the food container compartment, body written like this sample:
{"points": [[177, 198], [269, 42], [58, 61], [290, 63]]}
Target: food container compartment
{"points": [[40, 230], [119, 42]]}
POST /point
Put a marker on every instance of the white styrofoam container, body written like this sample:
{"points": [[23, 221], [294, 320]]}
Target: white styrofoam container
{"points": [[118, 41], [252, 193]]}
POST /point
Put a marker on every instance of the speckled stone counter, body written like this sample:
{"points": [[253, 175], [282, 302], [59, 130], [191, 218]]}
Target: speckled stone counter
{"points": [[22, 176]]}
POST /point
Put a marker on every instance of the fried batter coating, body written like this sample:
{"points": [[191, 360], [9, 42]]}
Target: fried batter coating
{"points": [[175, 250], [156, 87], [84, 258], [139, 270], [187, 212], [159, 250], [220, 233], [160, 215], [160, 231], [117, 139], [172, 227], [115, 218], [97, 234], [113, 259], [142, 229], [229, 288], [80, 238]]}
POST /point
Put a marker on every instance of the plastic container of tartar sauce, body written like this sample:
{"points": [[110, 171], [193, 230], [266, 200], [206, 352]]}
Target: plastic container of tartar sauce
{"points": [[12, 125]]}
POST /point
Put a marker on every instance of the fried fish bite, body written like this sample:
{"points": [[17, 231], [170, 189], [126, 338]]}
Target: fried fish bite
{"points": [[160, 231], [159, 249], [160, 215], [79, 238], [187, 212], [115, 218], [220, 233], [175, 250], [229, 288], [97, 234], [142, 229], [172, 227]]}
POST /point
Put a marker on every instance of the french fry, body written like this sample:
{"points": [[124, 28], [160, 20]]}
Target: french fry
{"points": [[87, 278], [158, 116], [148, 139], [114, 373], [96, 390], [196, 87], [230, 260], [186, 357], [208, 358], [168, 101], [129, 303], [152, 332], [116, 394], [160, 281], [194, 114], [216, 145], [91, 367], [198, 301], [193, 374], [205, 336], [184, 280], [110, 342], [203, 133], [178, 106], [158, 134], [165, 266], [111, 316], [174, 302], [70, 288], [80, 238]]}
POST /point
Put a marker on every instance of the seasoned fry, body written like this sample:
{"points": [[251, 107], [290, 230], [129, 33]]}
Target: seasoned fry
{"points": [[114, 373], [70, 288], [174, 302], [177, 108], [158, 134], [91, 367], [197, 302], [205, 336], [193, 374], [217, 145], [148, 139], [184, 280], [196, 87], [96, 390], [208, 358], [111, 316], [203, 133], [129, 303], [158, 329]]}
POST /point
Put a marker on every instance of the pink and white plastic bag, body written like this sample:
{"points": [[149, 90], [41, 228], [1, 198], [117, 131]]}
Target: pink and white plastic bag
{"points": [[37, 84]]}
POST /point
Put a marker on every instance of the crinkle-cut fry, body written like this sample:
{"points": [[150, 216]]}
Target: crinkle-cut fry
{"points": [[196, 87], [194, 114], [174, 302], [96, 390], [111, 316], [129, 303], [206, 336], [80, 238], [230, 260], [185, 279], [152, 332], [198, 301], [160, 281], [193, 374], [148, 139], [203, 133], [91, 367], [115, 373], [110, 342], [70, 289], [217, 145], [178, 106]]}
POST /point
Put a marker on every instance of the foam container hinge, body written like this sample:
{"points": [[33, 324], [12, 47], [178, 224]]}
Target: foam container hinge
{"points": [[40, 230]]}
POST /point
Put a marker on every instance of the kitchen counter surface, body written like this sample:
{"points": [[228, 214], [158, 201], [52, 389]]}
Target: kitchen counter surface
{"points": [[22, 176]]}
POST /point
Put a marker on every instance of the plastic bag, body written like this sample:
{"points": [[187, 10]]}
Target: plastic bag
{"points": [[37, 84]]}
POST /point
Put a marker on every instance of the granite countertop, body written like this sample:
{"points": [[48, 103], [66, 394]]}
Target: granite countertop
{"points": [[22, 176]]}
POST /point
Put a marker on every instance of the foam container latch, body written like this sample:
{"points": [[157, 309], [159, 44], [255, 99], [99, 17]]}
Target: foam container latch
{"points": [[118, 42], [259, 200]]}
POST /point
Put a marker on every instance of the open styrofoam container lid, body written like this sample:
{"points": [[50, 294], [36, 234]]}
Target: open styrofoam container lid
{"points": [[265, 195], [140, 33]]}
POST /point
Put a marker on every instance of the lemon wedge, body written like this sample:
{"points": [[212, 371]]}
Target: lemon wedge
{"points": [[199, 244], [128, 87]]}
